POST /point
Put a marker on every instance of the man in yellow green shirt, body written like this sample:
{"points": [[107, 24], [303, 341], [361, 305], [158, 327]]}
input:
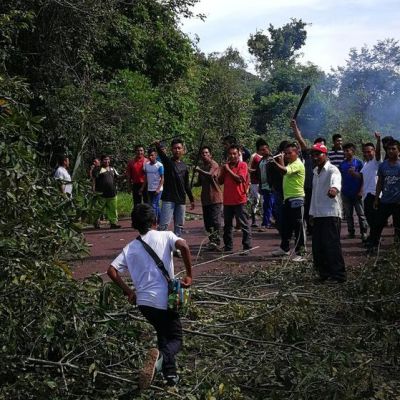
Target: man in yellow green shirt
{"points": [[293, 208]]}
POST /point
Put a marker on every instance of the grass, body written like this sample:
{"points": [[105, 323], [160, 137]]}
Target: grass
{"points": [[124, 204], [125, 201]]}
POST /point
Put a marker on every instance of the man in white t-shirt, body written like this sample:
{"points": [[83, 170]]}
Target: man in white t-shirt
{"points": [[63, 176], [369, 173], [154, 180], [151, 290]]}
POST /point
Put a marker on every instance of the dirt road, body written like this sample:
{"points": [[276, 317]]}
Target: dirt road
{"points": [[106, 244]]}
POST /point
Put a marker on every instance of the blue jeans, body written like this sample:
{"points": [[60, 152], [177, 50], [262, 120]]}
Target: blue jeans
{"points": [[169, 210], [349, 204], [268, 206], [154, 201]]}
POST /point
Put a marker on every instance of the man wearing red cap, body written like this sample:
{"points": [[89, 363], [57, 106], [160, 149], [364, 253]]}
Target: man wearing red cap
{"points": [[326, 214]]}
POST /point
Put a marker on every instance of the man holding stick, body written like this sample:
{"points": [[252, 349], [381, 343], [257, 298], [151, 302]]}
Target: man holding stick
{"points": [[293, 206]]}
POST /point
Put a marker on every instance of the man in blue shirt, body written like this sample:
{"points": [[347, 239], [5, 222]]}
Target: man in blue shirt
{"points": [[389, 204], [352, 191]]}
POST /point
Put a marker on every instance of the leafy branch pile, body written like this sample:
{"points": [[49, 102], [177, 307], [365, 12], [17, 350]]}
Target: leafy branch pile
{"points": [[268, 335], [306, 340]]}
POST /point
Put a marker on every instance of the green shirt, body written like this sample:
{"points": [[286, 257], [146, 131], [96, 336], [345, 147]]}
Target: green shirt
{"points": [[293, 180]]}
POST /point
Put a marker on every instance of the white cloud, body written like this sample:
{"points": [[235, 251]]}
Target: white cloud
{"points": [[337, 25]]}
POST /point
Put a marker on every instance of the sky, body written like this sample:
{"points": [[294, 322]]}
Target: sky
{"points": [[336, 25]]}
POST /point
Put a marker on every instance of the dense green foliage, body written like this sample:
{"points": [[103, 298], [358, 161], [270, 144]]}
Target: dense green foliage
{"points": [[89, 77]]}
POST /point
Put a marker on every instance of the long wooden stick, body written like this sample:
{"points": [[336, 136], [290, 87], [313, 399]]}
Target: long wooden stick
{"points": [[305, 92], [218, 258]]}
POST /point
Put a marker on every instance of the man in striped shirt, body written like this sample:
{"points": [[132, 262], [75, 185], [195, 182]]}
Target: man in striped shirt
{"points": [[336, 155]]}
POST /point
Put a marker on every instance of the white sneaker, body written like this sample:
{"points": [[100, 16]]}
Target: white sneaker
{"points": [[280, 253], [177, 254], [298, 259]]}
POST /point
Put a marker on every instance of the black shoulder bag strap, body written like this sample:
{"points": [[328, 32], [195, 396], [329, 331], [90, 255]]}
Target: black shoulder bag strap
{"points": [[156, 259]]}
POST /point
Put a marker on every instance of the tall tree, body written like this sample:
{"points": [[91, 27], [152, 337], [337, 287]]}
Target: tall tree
{"points": [[225, 96], [71, 51], [369, 86], [278, 46]]}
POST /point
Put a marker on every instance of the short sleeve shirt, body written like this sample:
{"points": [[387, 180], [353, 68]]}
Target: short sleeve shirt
{"points": [[211, 192], [390, 175], [236, 193], [264, 184], [63, 175], [150, 284], [135, 170], [351, 185], [255, 160], [293, 180], [370, 176], [153, 172], [336, 157]]}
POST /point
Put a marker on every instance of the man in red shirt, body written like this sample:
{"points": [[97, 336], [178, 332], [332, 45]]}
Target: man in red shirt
{"points": [[234, 176], [136, 177]]}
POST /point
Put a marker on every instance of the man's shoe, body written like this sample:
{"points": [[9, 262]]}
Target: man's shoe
{"points": [[227, 250], [172, 380], [320, 280], [245, 252], [115, 226], [212, 246], [335, 281], [146, 374], [280, 253], [177, 254], [254, 225]]}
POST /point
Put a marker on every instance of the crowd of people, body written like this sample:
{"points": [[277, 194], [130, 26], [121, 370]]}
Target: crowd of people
{"points": [[304, 191]]}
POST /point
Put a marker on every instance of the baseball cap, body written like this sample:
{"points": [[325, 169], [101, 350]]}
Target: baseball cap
{"points": [[319, 147]]}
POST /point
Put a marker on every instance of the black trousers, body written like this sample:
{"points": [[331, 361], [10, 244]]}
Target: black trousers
{"points": [[327, 249], [292, 220], [138, 198], [169, 335], [212, 221], [383, 213], [369, 211], [307, 204], [239, 211]]}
